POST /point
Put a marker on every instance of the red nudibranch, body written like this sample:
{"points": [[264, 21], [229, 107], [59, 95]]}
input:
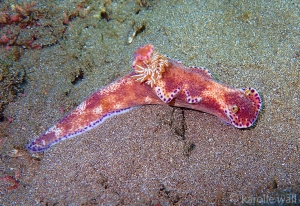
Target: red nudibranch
{"points": [[157, 79]]}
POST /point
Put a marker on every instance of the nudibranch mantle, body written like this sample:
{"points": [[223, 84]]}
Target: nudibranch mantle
{"points": [[157, 79], [195, 88]]}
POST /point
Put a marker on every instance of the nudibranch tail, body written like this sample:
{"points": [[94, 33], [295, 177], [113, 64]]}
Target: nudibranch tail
{"points": [[114, 99]]}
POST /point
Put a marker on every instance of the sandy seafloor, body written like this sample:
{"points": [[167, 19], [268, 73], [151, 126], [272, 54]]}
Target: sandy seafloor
{"points": [[159, 155]]}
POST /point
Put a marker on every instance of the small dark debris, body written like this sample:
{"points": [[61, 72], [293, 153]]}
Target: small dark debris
{"points": [[163, 190], [104, 15], [188, 148], [67, 93], [146, 3], [274, 184], [140, 29], [78, 77]]}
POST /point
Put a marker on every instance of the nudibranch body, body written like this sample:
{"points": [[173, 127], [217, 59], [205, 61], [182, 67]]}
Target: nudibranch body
{"points": [[157, 79]]}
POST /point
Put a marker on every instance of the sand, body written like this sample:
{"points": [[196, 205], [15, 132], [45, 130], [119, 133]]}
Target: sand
{"points": [[156, 155]]}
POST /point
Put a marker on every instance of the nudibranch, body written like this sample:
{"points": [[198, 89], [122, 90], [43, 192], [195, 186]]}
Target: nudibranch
{"points": [[157, 79]]}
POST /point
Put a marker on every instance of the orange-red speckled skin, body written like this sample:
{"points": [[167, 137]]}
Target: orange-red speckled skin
{"points": [[195, 88], [169, 82], [122, 94], [215, 96], [108, 100]]}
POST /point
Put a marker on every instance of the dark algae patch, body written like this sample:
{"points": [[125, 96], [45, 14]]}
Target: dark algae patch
{"points": [[12, 78]]}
